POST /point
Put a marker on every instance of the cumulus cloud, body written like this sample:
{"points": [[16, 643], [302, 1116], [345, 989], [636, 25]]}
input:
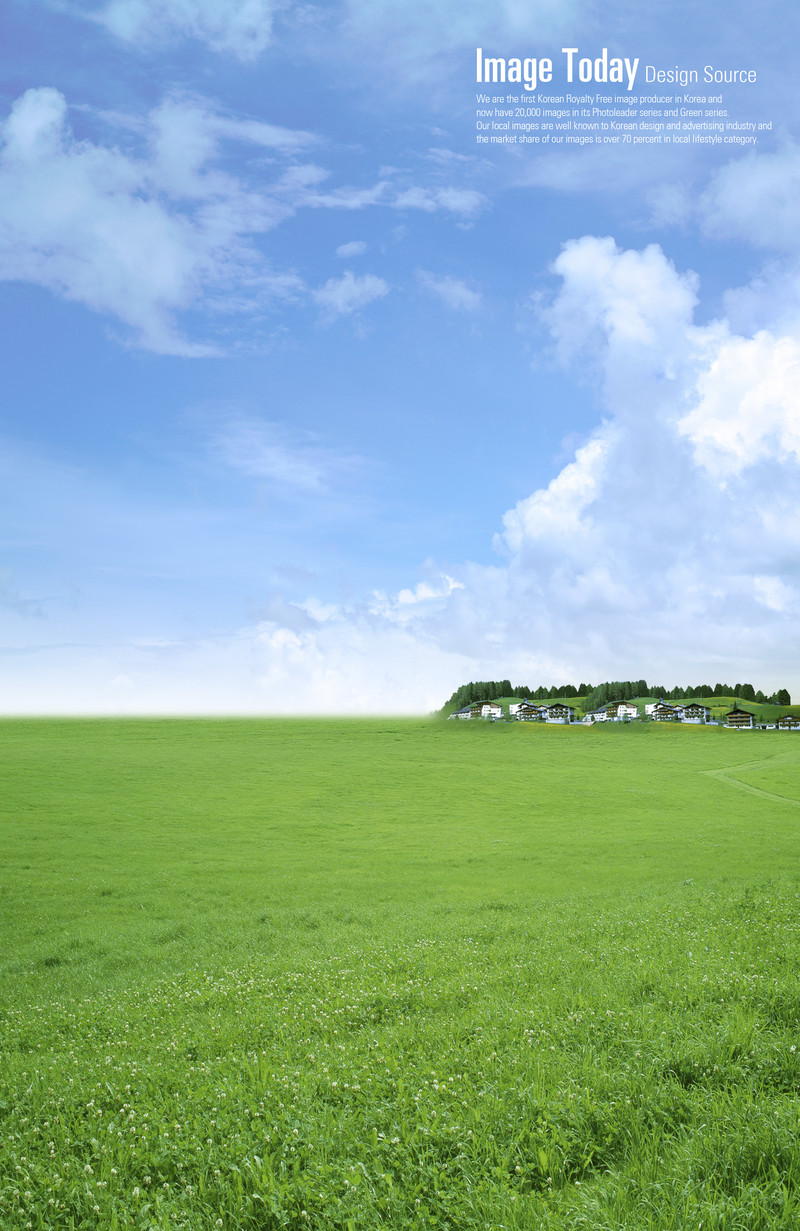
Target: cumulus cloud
{"points": [[748, 409], [556, 515], [454, 292], [241, 28], [629, 309], [668, 545], [638, 545], [348, 294]]}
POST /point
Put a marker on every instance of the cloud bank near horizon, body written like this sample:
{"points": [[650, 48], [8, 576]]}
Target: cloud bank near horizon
{"points": [[668, 544]]}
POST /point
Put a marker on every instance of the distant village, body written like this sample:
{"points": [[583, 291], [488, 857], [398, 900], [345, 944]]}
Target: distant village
{"points": [[694, 712]]}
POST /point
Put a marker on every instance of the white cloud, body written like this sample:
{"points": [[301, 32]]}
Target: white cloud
{"points": [[410, 34], [671, 204], [748, 409], [185, 134], [774, 593], [555, 515], [419, 42], [348, 294], [147, 234], [449, 158], [453, 292], [346, 197], [304, 184], [756, 198], [356, 247], [631, 308], [139, 238], [271, 451], [241, 28], [466, 202], [407, 604], [424, 591]]}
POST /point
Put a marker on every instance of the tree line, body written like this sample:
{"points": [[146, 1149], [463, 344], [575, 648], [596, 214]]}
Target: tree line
{"points": [[603, 694], [487, 690], [626, 690]]}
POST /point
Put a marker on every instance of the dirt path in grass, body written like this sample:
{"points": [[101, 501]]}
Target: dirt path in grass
{"points": [[724, 775]]}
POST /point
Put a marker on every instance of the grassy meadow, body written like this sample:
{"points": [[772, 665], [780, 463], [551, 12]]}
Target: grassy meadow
{"points": [[397, 973]]}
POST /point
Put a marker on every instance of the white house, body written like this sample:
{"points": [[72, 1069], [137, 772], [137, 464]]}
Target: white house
{"points": [[527, 711], [479, 709], [693, 711], [615, 711]]}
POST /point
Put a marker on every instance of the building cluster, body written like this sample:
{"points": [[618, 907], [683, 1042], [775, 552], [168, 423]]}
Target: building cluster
{"points": [[518, 711], [623, 711]]}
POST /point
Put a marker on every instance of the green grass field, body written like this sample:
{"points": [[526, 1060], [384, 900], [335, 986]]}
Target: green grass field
{"points": [[393, 973]]}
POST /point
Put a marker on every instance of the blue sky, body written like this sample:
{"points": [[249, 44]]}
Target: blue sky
{"points": [[313, 404]]}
